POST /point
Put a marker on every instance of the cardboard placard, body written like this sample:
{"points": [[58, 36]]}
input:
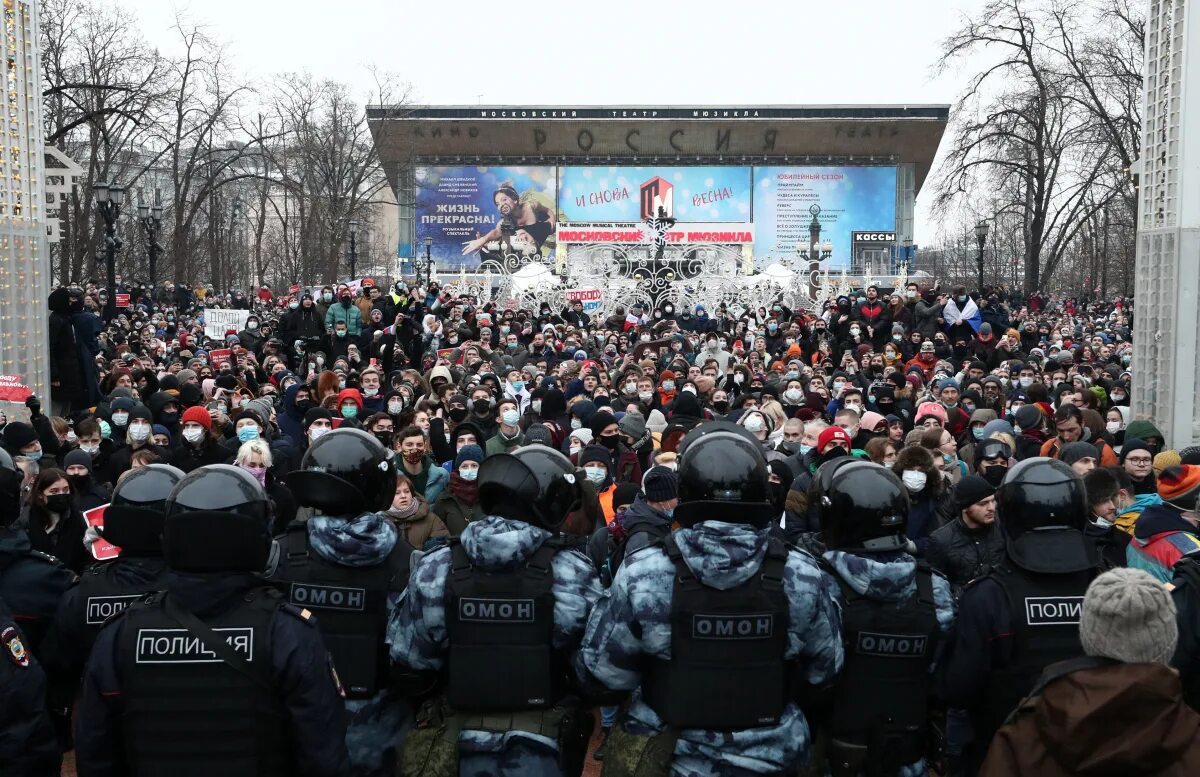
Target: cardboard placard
{"points": [[13, 390], [218, 355], [122, 300], [219, 320]]}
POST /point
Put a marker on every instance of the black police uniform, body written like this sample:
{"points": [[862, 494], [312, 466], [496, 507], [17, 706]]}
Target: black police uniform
{"points": [[218, 674], [1024, 616], [28, 745], [133, 521], [1186, 595]]}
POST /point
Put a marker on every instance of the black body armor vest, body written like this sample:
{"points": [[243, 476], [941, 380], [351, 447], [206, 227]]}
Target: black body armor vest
{"points": [[188, 712], [727, 669], [501, 629], [102, 594], [351, 604], [1045, 610], [880, 698]]}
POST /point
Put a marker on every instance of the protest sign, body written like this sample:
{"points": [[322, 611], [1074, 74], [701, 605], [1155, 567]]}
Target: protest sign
{"points": [[102, 549], [217, 321]]}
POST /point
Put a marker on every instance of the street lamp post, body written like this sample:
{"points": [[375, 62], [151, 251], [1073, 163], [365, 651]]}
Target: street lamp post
{"points": [[353, 248], [981, 233], [150, 217], [428, 260], [109, 197], [817, 251]]}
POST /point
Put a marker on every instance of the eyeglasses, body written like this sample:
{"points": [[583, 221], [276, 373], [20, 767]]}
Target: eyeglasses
{"points": [[1142, 460]]}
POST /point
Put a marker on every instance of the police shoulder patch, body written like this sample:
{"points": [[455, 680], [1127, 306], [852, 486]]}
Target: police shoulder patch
{"points": [[11, 639], [300, 613]]}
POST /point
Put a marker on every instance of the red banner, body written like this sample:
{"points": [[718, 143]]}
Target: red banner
{"points": [[218, 355], [122, 300], [13, 390], [294, 288], [102, 550]]}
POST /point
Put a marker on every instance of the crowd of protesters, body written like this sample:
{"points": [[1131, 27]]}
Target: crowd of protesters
{"points": [[947, 388]]}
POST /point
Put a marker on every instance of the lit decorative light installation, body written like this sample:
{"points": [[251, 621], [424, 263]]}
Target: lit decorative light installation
{"points": [[24, 257]]}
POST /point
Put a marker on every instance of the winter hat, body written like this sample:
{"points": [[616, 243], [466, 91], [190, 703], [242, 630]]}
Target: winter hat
{"points": [[946, 383], [583, 435], [1166, 459], [1128, 616], [1143, 430], [197, 415], [660, 484], [633, 425], [1190, 455], [595, 453], [1134, 444], [1028, 417], [927, 409], [600, 421], [971, 490], [832, 434], [1179, 486], [185, 375], [539, 434], [17, 435], [624, 494], [1074, 451], [871, 420], [78, 457], [160, 429], [140, 412], [313, 414], [468, 453]]}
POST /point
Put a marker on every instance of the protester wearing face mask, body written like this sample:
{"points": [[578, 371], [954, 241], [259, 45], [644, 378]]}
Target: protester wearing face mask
{"points": [[254, 456], [87, 492], [1109, 493], [317, 422], [428, 479], [53, 520], [930, 501], [349, 405], [1116, 421], [197, 446], [137, 437], [458, 503], [597, 468], [508, 429]]}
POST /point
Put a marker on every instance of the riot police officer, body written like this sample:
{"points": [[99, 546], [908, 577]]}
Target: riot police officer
{"points": [[348, 563], [218, 674], [894, 613], [32, 582], [1024, 615], [722, 627], [28, 745], [133, 521], [499, 613]]}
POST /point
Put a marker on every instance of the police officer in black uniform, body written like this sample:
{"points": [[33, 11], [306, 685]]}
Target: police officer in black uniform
{"points": [[894, 613], [497, 616], [28, 745], [1024, 616], [32, 582], [348, 563], [133, 522], [219, 674]]}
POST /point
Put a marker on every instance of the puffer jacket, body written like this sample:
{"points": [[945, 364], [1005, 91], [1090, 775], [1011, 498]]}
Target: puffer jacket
{"points": [[421, 526], [1067, 730], [962, 553]]}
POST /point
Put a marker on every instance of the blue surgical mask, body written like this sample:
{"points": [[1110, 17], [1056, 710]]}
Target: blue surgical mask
{"points": [[510, 417], [247, 433], [33, 455], [669, 513], [596, 474], [518, 385], [978, 432], [468, 474], [804, 449]]}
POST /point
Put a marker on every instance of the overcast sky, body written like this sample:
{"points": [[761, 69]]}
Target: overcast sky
{"points": [[617, 52]]}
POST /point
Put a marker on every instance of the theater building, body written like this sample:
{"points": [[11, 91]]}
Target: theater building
{"points": [[563, 183]]}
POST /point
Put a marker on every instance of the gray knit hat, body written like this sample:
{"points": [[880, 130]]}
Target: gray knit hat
{"points": [[1128, 616]]}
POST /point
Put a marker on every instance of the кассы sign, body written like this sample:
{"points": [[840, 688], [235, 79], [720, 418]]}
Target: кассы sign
{"points": [[872, 237]]}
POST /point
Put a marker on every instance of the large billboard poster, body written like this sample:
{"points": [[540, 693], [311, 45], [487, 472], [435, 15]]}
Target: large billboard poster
{"points": [[633, 194], [850, 198], [473, 212]]}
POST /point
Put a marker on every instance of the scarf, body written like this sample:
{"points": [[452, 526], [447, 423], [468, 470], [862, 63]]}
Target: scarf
{"points": [[405, 514], [465, 491]]}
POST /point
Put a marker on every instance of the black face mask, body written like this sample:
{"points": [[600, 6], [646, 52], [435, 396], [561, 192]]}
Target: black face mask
{"points": [[385, 438], [611, 441], [457, 414], [79, 482], [304, 405], [58, 503], [721, 406], [482, 406], [994, 475]]}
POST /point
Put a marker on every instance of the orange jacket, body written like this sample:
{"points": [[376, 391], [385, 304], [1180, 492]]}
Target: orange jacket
{"points": [[1108, 457]]}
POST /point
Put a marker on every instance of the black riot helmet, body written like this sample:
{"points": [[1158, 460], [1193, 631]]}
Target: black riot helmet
{"points": [[1044, 510], [218, 520], [535, 484], [345, 472], [723, 477], [134, 519], [862, 506]]}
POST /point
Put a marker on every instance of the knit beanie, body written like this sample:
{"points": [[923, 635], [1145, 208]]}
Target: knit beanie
{"points": [[1128, 616], [1028, 417], [468, 453], [1134, 444], [1179, 486], [971, 490], [1166, 459], [197, 415], [926, 409], [660, 484], [1074, 451]]}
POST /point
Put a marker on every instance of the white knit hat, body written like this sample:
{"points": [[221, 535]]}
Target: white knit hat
{"points": [[1128, 616]]}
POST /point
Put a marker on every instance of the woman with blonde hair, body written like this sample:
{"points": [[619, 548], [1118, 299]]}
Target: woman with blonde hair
{"points": [[254, 456]]}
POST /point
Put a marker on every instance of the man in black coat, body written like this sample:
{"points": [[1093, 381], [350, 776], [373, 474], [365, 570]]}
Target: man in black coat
{"points": [[66, 370], [972, 544]]}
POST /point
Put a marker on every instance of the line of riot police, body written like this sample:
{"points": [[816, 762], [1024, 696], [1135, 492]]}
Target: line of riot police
{"points": [[730, 652]]}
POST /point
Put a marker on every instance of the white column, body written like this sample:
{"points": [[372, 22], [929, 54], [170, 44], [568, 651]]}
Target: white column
{"points": [[24, 254], [1167, 288]]}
